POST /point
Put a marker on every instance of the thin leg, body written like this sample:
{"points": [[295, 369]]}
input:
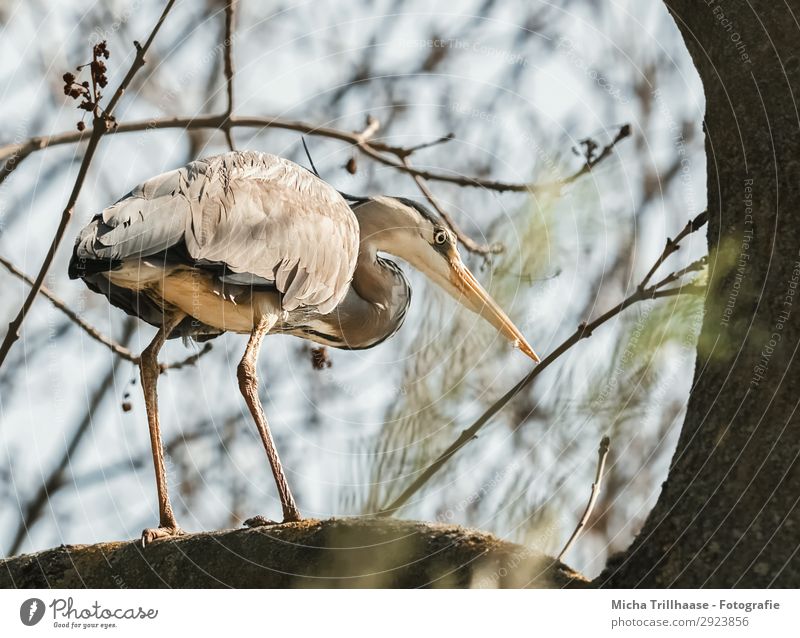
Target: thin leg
{"points": [[248, 385], [148, 367]]}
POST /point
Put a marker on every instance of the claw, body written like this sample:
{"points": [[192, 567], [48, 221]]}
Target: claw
{"points": [[153, 533]]}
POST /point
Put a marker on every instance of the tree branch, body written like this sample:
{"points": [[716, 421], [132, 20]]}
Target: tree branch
{"points": [[103, 120], [422, 555], [138, 60], [182, 363], [373, 125], [386, 154], [93, 332], [593, 160], [89, 329], [18, 156], [672, 245], [467, 241], [602, 454], [583, 331]]}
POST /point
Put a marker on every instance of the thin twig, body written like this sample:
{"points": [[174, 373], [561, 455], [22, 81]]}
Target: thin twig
{"points": [[188, 361], [602, 454], [138, 61], [102, 122], [583, 331], [17, 158], [373, 125], [467, 241], [14, 327], [89, 329], [591, 162], [695, 266], [441, 140], [672, 245], [594, 160], [383, 153], [94, 333], [230, 26]]}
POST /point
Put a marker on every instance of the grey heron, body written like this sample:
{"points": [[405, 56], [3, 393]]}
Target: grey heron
{"points": [[252, 243]]}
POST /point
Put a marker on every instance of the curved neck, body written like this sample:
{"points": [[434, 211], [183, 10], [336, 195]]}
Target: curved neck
{"points": [[375, 306], [379, 293]]}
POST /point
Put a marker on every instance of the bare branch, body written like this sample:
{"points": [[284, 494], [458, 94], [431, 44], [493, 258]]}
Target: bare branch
{"points": [[94, 333], [18, 156], [14, 327], [102, 122], [89, 329], [593, 160], [467, 241], [583, 331], [442, 140], [386, 154], [602, 454], [685, 289], [695, 266], [138, 61], [372, 127], [188, 361], [672, 245]]}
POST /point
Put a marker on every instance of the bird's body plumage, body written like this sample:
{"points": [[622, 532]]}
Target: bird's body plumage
{"points": [[253, 243], [232, 237]]}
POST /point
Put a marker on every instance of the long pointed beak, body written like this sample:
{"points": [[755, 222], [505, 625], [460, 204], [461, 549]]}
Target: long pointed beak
{"points": [[481, 302]]}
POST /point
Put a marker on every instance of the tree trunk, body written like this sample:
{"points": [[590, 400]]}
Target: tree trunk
{"points": [[727, 514]]}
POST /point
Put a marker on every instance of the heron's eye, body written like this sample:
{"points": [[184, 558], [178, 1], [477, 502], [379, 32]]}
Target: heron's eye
{"points": [[440, 237]]}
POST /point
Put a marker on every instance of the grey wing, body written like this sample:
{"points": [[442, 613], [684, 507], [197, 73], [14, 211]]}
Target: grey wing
{"points": [[263, 218], [144, 222]]}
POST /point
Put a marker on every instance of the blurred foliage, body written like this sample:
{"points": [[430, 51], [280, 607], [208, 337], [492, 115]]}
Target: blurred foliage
{"points": [[615, 396]]}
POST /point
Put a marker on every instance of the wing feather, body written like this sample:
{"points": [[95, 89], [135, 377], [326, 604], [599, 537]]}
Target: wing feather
{"points": [[264, 218]]}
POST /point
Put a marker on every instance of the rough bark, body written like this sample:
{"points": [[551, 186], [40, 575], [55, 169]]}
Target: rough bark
{"points": [[727, 514], [355, 552]]}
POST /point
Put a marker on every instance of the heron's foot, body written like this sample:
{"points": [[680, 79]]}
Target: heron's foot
{"points": [[260, 521], [263, 521], [154, 533]]}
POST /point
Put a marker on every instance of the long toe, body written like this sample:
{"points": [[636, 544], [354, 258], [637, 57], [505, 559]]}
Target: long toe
{"points": [[154, 533], [259, 521]]}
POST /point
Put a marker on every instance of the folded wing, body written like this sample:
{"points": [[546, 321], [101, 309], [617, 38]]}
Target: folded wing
{"points": [[253, 218]]}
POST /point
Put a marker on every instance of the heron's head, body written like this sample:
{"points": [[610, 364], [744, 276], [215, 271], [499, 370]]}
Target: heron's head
{"points": [[407, 229]]}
